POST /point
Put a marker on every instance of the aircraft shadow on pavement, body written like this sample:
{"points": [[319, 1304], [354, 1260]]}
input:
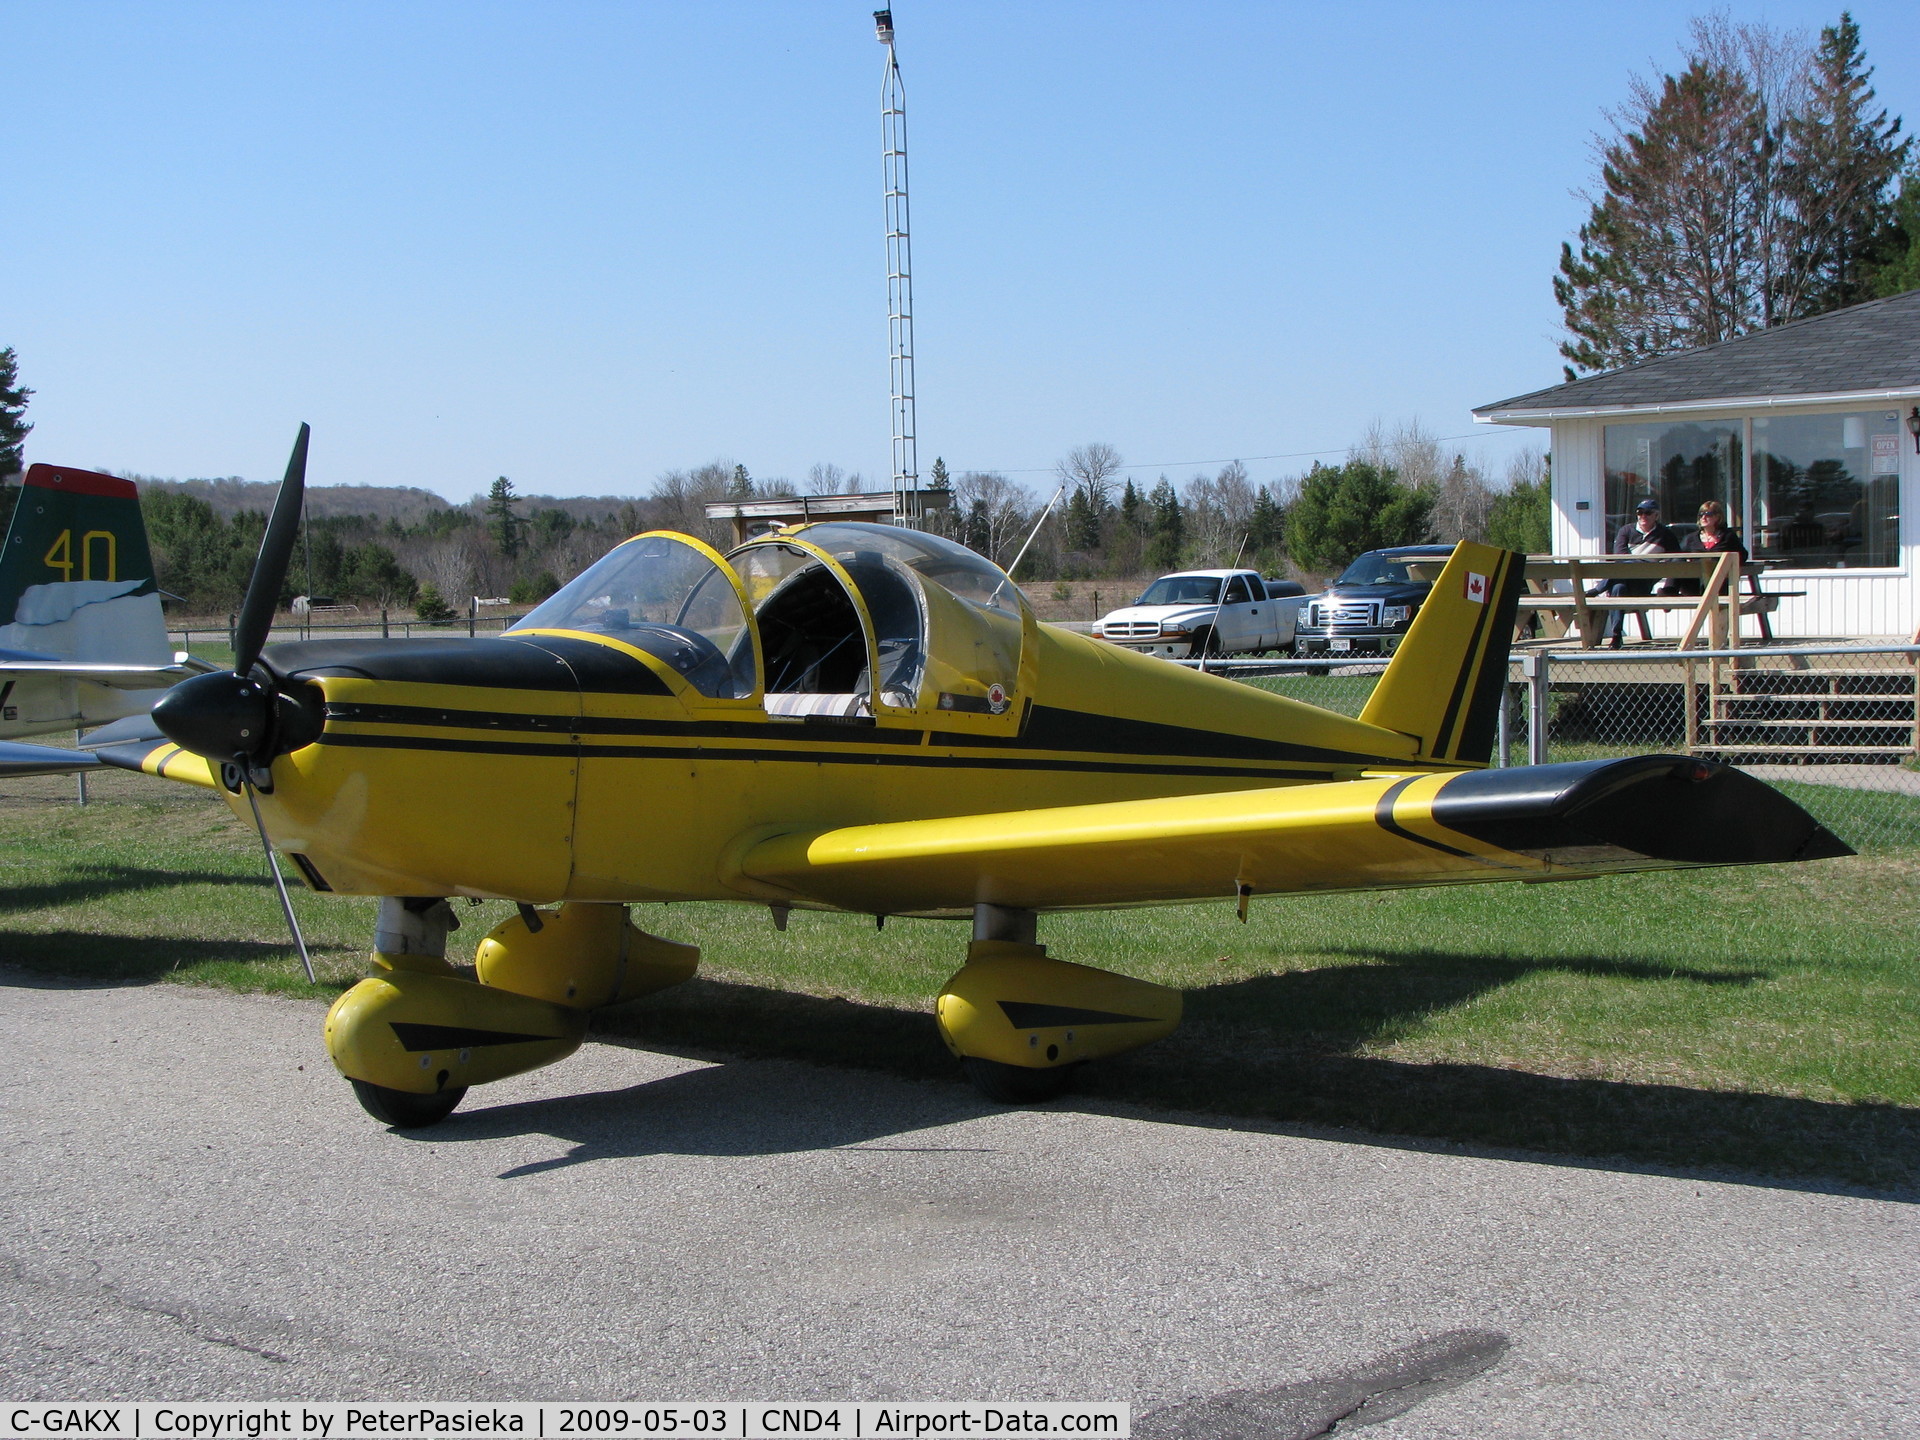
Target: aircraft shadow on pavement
{"points": [[1284, 1048], [722, 1110]]}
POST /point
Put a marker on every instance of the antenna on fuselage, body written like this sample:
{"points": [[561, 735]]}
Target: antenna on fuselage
{"points": [[1032, 535]]}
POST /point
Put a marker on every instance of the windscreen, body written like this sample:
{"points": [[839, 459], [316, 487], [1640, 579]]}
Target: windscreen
{"points": [[1371, 569], [1182, 590], [667, 598]]}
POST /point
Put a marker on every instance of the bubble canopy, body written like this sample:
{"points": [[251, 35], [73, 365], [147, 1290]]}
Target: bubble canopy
{"points": [[675, 599], [948, 564]]}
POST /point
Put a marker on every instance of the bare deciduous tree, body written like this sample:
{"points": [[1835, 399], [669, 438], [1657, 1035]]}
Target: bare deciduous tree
{"points": [[1091, 470], [1218, 513], [993, 512]]}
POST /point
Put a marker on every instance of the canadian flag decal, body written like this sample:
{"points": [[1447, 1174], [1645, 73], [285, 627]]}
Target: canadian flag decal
{"points": [[1476, 588]]}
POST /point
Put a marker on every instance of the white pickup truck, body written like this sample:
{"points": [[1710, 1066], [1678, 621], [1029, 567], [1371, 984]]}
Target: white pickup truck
{"points": [[1207, 612]]}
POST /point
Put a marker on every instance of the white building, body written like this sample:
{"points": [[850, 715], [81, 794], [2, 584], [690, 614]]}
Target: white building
{"points": [[1807, 433]]}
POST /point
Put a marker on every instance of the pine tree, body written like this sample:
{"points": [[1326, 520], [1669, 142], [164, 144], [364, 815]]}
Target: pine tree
{"points": [[1344, 510], [740, 487], [1667, 256], [939, 480], [1082, 522], [503, 520], [1839, 159], [1264, 524], [13, 411], [1521, 517], [1168, 542], [1900, 271]]}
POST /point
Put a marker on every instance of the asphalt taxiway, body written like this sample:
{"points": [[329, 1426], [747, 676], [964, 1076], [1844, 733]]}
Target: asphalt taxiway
{"points": [[196, 1209]]}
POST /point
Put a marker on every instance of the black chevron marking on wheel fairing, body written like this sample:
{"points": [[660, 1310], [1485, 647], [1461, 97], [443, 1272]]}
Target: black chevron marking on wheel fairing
{"points": [[415, 1037], [1029, 1015]]}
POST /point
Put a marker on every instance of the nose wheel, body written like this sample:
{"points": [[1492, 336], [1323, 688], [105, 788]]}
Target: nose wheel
{"points": [[404, 1110], [1016, 1084]]}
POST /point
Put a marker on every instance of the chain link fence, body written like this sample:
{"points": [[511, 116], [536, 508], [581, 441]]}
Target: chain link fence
{"points": [[1833, 726]]}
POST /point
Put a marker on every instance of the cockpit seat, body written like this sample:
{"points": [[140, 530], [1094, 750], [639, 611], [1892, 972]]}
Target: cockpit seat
{"points": [[795, 703]]}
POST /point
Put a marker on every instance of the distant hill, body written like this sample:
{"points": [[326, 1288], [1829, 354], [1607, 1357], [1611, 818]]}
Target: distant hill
{"points": [[230, 495]]}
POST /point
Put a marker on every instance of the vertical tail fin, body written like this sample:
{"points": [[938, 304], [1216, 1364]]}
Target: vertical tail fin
{"points": [[1444, 685], [76, 577]]}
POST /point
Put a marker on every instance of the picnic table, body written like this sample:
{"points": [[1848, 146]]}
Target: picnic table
{"points": [[1558, 586]]}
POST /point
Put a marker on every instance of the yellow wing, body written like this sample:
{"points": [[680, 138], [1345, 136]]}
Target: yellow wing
{"points": [[1544, 822]]}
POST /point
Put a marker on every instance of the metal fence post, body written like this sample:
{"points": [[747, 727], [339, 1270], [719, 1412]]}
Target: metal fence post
{"points": [[1535, 667], [79, 776], [1503, 738]]}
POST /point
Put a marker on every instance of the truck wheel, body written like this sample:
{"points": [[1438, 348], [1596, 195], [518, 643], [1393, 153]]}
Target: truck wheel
{"points": [[1207, 643]]}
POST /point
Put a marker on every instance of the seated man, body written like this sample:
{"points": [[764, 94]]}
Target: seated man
{"points": [[1645, 535]]}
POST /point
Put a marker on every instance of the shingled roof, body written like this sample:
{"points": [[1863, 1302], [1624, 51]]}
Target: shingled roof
{"points": [[1868, 349]]}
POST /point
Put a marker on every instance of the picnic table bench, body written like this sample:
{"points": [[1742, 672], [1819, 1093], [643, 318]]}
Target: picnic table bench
{"points": [[1558, 586]]}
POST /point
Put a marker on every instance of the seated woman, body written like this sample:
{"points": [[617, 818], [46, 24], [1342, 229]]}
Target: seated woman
{"points": [[1712, 538]]}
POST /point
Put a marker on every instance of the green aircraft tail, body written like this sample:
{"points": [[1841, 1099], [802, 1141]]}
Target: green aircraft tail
{"points": [[73, 525]]}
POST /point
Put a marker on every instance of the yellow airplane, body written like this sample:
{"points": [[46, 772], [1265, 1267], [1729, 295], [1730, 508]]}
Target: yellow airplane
{"points": [[863, 718]]}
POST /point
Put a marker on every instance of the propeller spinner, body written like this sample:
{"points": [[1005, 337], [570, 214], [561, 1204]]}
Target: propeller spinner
{"points": [[241, 717]]}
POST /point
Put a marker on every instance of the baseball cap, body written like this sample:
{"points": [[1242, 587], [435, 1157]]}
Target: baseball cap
{"points": [[1648, 505]]}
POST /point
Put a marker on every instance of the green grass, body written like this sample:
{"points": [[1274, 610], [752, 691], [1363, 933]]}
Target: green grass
{"points": [[1763, 1019]]}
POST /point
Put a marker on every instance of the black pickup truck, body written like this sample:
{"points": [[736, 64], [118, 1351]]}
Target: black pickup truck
{"points": [[1368, 609]]}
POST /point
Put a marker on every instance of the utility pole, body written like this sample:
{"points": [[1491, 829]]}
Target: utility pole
{"points": [[893, 153]]}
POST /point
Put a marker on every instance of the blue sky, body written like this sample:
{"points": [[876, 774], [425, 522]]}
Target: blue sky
{"points": [[581, 243]]}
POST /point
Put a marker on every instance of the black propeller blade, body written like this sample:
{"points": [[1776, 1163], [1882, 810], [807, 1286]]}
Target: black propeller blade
{"points": [[276, 555], [240, 718]]}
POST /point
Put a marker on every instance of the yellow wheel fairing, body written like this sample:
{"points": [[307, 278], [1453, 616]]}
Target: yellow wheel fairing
{"points": [[583, 957], [424, 1033], [1010, 1003]]}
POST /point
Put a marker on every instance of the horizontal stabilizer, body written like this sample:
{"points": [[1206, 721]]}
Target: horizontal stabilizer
{"points": [[117, 677], [17, 759], [1542, 822]]}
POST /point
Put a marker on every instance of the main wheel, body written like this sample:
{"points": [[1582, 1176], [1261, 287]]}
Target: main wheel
{"points": [[404, 1110], [1016, 1084]]}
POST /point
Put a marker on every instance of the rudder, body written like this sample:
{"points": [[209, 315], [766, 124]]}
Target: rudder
{"points": [[76, 574], [1444, 685]]}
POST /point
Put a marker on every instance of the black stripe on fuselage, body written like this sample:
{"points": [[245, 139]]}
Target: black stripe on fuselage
{"points": [[1048, 730], [431, 717], [807, 754]]}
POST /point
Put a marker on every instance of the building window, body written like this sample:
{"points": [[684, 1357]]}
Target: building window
{"points": [[1826, 490], [1676, 464]]}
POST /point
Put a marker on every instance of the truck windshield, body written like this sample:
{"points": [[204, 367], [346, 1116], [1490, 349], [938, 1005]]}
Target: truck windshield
{"points": [[1182, 590], [1371, 569]]}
